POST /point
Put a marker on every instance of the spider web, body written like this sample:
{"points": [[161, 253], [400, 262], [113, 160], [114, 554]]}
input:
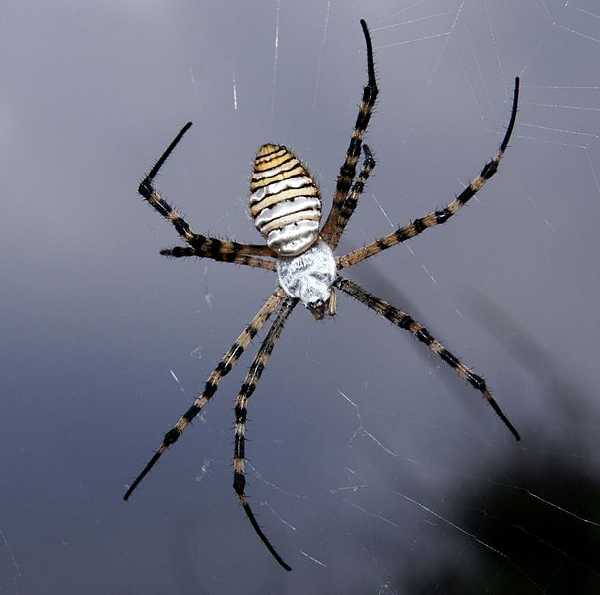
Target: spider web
{"points": [[415, 477], [408, 501], [371, 467]]}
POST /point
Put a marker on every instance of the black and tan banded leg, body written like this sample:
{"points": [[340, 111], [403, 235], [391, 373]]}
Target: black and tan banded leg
{"points": [[406, 322], [241, 409], [436, 217], [220, 250], [253, 261], [224, 367], [348, 169], [352, 198]]}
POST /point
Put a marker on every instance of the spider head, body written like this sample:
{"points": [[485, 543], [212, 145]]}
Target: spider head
{"points": [[320, 308], [309, 277]]}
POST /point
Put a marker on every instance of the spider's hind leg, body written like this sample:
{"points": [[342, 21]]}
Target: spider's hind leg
{"points": [[348, 169], [145, 188], [252, 261], [349, 205], [204, 246], [434, 218]]}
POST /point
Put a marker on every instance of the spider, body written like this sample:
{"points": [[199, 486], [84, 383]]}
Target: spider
{"points": [[286, 207]]}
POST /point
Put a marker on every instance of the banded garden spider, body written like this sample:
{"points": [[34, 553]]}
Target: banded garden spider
{"points": [[286, 206]]}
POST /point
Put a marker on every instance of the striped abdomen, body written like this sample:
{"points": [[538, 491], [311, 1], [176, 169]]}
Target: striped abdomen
{"points": [[284, 201]]}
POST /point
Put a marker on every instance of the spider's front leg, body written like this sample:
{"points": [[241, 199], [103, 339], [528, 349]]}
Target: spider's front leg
{"points": [[202, 246], [212, 384], [406, 322], [241, 412]]}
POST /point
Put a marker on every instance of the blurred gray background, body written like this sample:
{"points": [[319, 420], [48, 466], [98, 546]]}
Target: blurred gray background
{"points": [[373, 468]]}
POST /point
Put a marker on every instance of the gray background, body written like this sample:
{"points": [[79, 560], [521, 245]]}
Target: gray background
{"points": [[408, 485]]}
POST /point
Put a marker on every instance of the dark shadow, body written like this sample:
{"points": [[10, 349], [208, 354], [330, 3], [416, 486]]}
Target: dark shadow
{"points": [[540, 509]]}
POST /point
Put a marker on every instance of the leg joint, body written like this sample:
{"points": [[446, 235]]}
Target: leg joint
{"points": [[171, 437], [145, 188]]}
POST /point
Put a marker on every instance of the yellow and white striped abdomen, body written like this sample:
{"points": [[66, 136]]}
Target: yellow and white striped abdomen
{"points": [[284, 201]]}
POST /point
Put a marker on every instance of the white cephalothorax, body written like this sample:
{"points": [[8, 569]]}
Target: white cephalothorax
{"points": [[309, 275]]}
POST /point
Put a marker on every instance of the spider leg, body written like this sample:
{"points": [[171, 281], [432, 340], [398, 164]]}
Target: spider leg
{"points": [[253, 261], [348, 169], [224, 367], [352, 199], [206, 247], [406, 322], [241, 404], [436, 217]]}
